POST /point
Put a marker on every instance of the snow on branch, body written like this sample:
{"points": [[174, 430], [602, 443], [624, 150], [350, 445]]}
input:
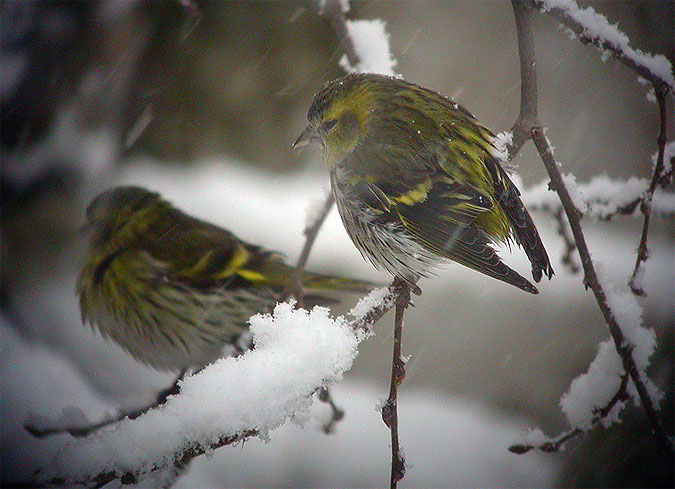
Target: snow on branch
{"points": [[633, 344], [602, 197], [593, 27], [366, 42], [296, 352]]}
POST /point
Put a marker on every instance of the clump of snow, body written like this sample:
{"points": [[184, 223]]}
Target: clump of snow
{"points": [[377, 298], [533, 437], [596, 26], [295, 352], [607, 195], [594, 389], [371, 43], [602, 196], [501, 143], [576, 193]]}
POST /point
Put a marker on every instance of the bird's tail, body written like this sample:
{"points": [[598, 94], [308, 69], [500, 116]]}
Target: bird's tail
{"points": [[526, 232], [315, 281]]}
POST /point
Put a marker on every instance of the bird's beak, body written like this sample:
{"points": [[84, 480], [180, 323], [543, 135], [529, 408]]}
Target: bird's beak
{"points": [[307, 136]]}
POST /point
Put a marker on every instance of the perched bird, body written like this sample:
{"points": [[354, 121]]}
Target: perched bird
{"points": [[173, 290], [417, 180]]}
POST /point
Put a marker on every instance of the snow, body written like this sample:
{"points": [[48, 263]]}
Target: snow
{"points": [[594, 389], [601, 382], [371, 43], [295, 352], [596, 26], [600, 197], [355, 456], [533, 437], [576, 194], [376, 298], [501, 144]]}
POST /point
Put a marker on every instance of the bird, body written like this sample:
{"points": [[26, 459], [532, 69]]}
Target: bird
{"points": [[173, 290], [417, 180]]}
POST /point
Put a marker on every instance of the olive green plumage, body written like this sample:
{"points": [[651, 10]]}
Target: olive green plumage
{"points": [[416, 180], [173, 290]]}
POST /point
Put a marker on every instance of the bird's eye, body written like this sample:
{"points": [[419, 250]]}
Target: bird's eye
{"points": [[326, 126]]}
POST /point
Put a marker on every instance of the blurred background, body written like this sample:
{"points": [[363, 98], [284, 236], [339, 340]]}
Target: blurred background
{"points": [[202, 100]]}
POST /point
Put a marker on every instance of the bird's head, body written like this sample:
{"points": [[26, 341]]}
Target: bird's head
{"points": [[341, 115], [111, 211]]}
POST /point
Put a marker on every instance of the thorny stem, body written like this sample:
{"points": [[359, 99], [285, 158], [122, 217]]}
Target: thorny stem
{"points": [[646, 207], [390, 408], [529, 116]]}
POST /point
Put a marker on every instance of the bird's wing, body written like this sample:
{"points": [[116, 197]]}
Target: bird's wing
{"points": [[202, 255], [440, 213]]}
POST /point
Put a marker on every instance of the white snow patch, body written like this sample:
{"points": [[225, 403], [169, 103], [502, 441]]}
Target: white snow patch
{"points": [[371, 43]]}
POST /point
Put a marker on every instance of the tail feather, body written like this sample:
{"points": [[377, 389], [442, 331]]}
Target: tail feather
{"points": [[524, 229], [323, 282]]}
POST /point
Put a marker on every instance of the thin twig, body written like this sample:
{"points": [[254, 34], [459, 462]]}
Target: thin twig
{"points": [[646, 206], [390, 407], [294, 287], [522, 10], [336, 413], [554, 444]]}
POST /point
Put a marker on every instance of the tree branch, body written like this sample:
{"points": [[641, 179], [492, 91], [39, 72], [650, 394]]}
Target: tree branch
{"points": [[554, 444], [528, 116], [635, 282], [390, 407], [621, 53], [363, 322]]}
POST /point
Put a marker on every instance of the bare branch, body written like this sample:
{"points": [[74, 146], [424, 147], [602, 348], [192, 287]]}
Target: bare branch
{"points": [[294, 287], [646, 206], [591, 281], [390, 407]]}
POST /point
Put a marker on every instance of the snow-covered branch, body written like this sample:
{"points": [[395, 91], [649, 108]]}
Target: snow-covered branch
{"points": [[592, 27], [633, 343], [296, 352], [602, 197]]}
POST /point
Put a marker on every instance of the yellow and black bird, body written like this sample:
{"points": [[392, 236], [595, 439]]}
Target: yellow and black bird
{"points": [[173, 290], [418, 180]]}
